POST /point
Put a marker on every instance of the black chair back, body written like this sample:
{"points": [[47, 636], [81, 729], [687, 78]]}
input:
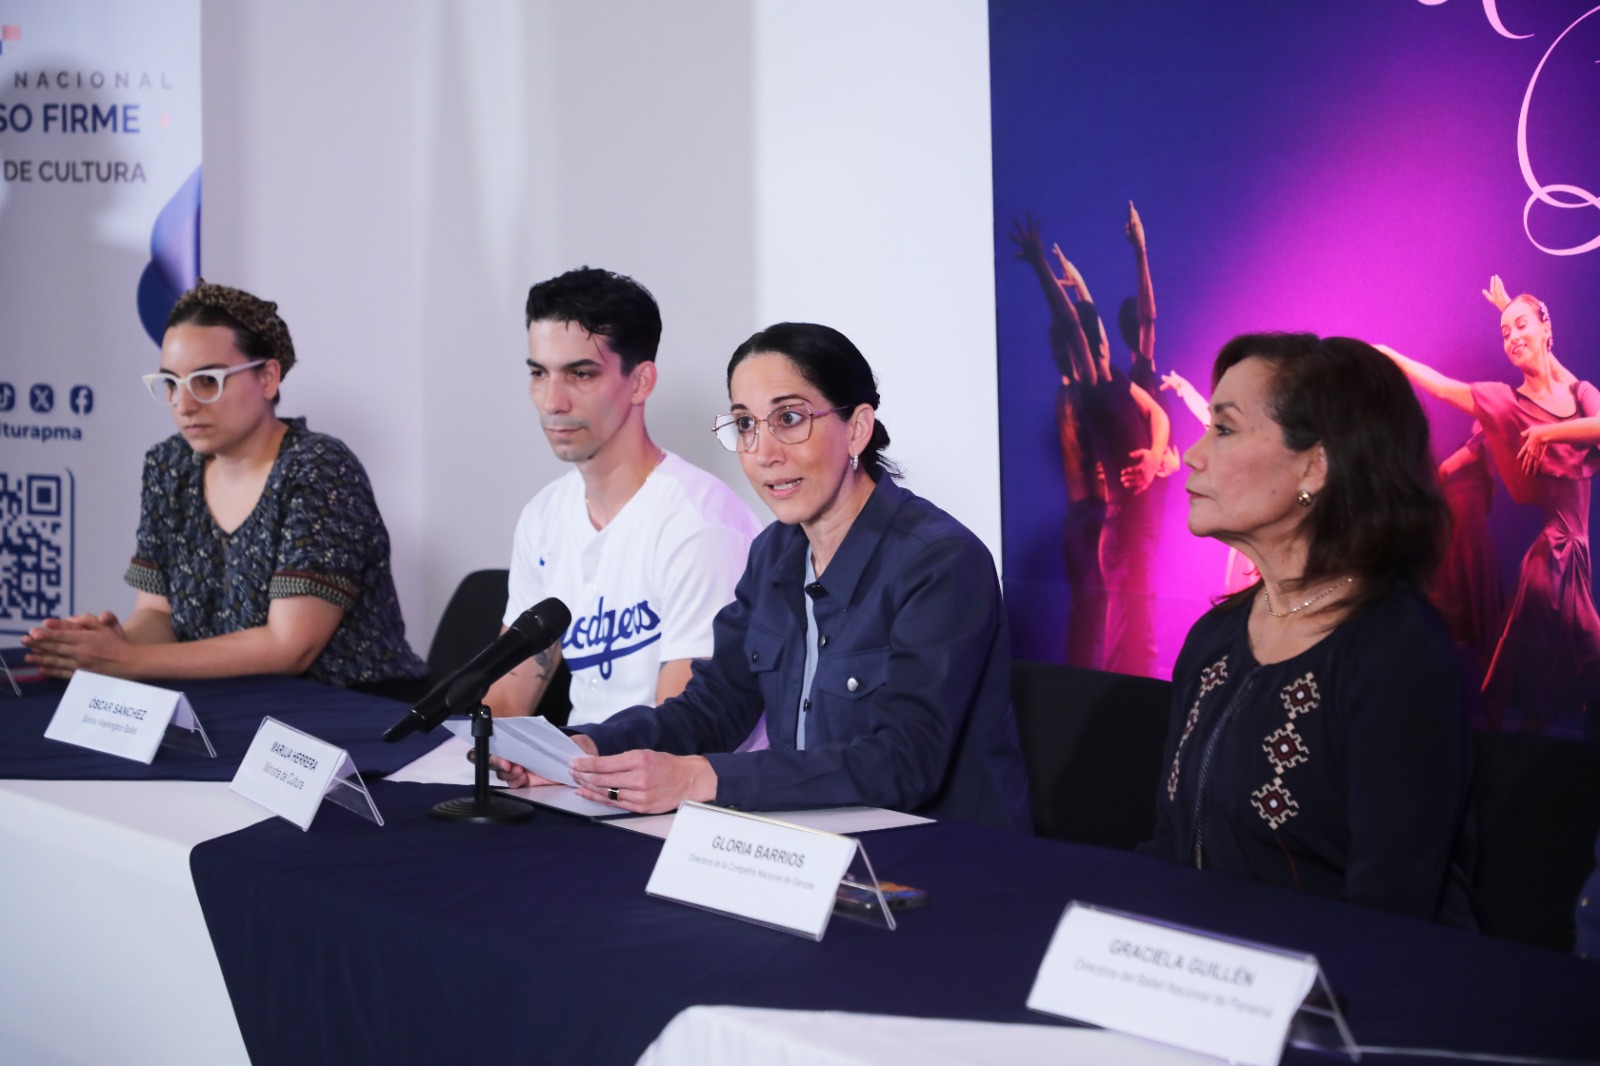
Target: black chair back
{"points": [[470, 622], [1092, 742], [1537, 805]]}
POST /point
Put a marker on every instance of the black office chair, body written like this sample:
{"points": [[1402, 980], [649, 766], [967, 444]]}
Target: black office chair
{"points": [[471, 621], [1537, 808], [1092, 743]]}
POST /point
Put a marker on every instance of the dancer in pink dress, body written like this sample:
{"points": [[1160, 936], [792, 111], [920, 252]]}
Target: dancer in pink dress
{"points": [[1544, 438], [1467, 588]]}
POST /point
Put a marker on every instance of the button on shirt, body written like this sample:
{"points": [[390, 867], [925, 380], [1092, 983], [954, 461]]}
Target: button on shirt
{"points": [[910, 700]]}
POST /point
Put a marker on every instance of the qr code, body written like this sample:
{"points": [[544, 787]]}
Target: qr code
{"points": [[35, 548]]}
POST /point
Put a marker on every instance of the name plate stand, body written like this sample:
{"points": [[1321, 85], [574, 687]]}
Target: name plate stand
{"points": [[290, 773], [11, 679], [1216, 995], [126, 718], [761, 870]]}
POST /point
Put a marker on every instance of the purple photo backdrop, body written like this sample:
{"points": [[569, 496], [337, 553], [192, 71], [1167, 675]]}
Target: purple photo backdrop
{"points": [[1358, 168]]}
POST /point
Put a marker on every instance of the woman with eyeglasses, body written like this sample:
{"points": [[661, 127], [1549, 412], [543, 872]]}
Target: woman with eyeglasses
{"points": [[868, 626], [260, 549]]}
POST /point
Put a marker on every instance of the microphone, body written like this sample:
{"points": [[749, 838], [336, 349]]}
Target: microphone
{"points": [[538, 627]]}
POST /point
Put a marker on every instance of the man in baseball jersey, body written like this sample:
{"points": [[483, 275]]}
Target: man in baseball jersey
{"points": [[641, 546]]}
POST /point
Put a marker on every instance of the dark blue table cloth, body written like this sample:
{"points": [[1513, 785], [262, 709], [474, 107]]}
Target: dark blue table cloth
{"points": [[425, 942], [230, 710]]}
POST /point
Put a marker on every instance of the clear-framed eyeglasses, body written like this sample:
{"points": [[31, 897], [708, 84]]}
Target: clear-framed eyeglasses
{"points": [[790, 424], [204, 385]]}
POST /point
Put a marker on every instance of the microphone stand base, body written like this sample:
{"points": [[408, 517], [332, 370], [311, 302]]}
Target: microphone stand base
{"points": [[502, 809], [483, 805]]}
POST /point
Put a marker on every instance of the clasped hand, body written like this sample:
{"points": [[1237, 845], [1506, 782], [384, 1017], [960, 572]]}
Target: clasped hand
{"points": [[60, 646]]}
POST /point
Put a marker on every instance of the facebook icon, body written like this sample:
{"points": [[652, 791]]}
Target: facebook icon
{"points": [[8, 396], [42, 398], [82, 399]]}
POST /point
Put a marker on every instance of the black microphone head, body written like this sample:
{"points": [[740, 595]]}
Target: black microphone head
{"points": [[544, 622], [534, 630], [815, 590]]}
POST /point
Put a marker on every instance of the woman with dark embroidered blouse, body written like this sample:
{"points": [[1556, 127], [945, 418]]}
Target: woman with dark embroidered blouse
{"points": [[1319, 734], [260, 546]]}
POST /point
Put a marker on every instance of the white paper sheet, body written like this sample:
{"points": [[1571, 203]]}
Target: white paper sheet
{"points": [[565, 798], [843, 820], [732, 1036], [531, 742], [448, 765]]}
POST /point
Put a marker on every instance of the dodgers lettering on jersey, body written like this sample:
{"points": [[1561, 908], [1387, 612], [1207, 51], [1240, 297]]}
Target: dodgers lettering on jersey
{"points": [[601, 638]]}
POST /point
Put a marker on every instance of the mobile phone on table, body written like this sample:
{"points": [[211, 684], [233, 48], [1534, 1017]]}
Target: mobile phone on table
{"points": [[860, 899]]}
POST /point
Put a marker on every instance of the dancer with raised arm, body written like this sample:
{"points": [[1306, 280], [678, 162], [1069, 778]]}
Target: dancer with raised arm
{"points": [[1544, 438]]}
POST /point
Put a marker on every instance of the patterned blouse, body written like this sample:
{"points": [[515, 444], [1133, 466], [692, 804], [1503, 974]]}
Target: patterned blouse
{"points": [[315, 531], [1340, 772]]}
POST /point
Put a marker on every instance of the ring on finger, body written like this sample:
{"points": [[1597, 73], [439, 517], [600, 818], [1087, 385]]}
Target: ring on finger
{"points": [[612, 794]]}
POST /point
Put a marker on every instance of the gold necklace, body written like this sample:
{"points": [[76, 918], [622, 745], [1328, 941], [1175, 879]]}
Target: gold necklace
{"points": [[1266, 599]]}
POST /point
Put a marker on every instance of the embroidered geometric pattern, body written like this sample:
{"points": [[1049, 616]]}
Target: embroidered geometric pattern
{"points": [[1285, 749], [337, 590], [145, 577], [1274, 803], [1211, 677], [1300, 696]]}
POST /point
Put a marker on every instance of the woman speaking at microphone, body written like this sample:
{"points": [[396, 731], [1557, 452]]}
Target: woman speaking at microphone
{"points": [[260, 549], [868, 627]]}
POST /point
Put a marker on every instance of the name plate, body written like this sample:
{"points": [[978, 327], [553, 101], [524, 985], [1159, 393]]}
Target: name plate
{"points": [[122, 718], [1148, 979], [764, 871], [290, 773]]}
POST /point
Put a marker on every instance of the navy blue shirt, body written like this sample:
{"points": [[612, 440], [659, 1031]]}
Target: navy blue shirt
{"points": [[910, 707], [1342, 771]]}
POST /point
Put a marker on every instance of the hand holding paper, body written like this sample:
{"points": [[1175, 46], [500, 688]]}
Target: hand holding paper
{"points": [[529, 751], [646, 782]]}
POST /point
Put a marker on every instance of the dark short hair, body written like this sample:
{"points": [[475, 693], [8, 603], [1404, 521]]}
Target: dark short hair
{"points": [[834, 367], [1380, 514], [605, 304]]}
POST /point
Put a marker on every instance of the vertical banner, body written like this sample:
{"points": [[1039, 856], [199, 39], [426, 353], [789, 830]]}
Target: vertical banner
{"points": [[99, 233], [1198, 171]]}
